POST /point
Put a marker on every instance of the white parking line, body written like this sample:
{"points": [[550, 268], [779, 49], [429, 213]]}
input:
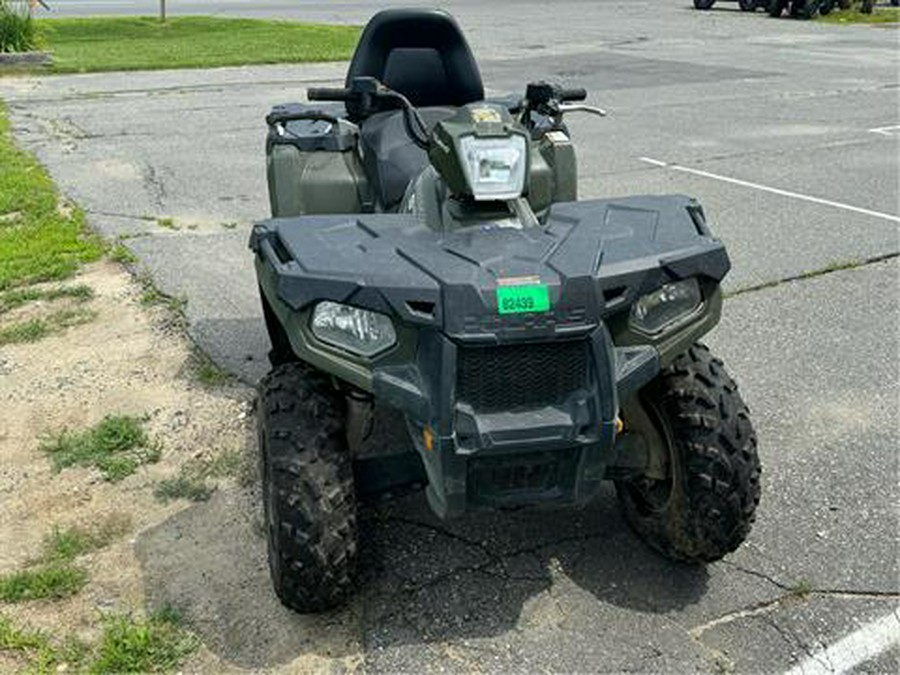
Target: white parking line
{"points": [[860, 646], [887, 131], [766, 188]]}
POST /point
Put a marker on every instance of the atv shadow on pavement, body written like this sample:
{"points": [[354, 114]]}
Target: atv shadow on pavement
{"points": [[423, 581]]}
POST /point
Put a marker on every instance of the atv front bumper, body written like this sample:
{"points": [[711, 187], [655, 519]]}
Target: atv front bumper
{"points": [[484, 439]]}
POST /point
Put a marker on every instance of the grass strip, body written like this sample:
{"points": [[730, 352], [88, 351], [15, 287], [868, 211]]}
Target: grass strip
{"points": [[191, 481], [44, 241], [42, 583], [21, 296], [36, 329], [133, 645], [39, 651], [117, 446], [127, 644], [144, 43], [64, 544], [879, 15]]}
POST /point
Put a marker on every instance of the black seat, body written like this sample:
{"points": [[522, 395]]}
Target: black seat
{"points": [[420, 53], [390, 158], [423, 55]]}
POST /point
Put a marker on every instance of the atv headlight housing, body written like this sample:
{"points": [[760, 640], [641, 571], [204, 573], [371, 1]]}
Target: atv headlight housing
{"points": [[495, 168], [358, 331], [666, 308]]}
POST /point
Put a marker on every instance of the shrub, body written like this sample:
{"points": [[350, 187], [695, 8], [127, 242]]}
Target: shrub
{"points": [[18, 32]]}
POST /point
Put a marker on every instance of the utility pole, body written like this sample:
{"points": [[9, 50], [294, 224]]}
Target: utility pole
{"points": [[162, 11], [32, 5]]}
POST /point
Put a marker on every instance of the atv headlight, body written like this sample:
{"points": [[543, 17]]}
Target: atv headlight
{"points": [[494, 167], [356, 330], [665, 308]]}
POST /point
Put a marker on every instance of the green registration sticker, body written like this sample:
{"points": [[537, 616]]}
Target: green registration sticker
{"points": [[520, 299]]}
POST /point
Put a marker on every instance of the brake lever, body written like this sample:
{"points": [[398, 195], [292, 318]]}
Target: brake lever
{"points": [[581, 107]]}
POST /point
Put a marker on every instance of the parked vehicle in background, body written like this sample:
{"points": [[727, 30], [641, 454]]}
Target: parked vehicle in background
{"points": [[746, 5], [807, 9]]}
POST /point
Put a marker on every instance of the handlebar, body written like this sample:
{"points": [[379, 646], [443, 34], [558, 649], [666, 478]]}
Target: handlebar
{"points": [[572, 95], [328, 94], [368, 94]]}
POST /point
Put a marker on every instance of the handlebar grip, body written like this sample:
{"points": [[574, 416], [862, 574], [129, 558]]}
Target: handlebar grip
{"points": [[326, 94], [577, 94]]}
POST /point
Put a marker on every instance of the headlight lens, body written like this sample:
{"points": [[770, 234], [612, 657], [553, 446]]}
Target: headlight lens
{"points": [[667, 307], [356, 330], [494, 167]]}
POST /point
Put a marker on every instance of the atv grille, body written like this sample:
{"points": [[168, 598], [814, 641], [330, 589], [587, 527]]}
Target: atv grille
{"points": [[491, 379]]}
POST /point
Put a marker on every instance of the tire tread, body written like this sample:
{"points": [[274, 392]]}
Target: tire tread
{"points": [[714, 503], [313, 531]]}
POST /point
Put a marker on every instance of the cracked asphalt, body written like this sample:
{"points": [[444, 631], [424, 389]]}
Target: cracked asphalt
{"points": [[769, 104]]}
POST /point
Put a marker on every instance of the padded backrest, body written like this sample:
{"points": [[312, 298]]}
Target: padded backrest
{"points": [[420, 53]]}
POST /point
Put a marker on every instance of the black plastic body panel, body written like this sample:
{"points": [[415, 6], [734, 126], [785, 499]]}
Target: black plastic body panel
{"points": [[595, 257], [390, 157]]}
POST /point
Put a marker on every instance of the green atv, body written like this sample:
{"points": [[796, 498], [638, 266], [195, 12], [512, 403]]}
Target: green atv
{"points": [[428, 256]]}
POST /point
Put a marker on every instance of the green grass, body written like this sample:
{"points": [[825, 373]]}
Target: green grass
{"points": [[191, 481], [185, 485], [39, 651], [154, 644], [41, 583], [24, 331], [16, 639], [207, 372], [117, 446], [17, 29], [53, 576], [143, 43], [802, 589], [43, 242], [35, 329], [20, 296], [64, 544], [126, 645], [879, 15], [122, 254], [152, 296]]}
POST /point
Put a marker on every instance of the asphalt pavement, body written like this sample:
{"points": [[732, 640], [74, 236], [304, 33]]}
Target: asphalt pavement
{"points": [[788, 134]]}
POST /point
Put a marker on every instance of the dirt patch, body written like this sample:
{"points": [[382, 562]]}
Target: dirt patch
{"points": [[129, 360]]}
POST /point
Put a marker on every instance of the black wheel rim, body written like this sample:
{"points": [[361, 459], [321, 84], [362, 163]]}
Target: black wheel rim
{"points": [[651, 496]]}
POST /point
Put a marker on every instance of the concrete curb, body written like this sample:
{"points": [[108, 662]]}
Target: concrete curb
{"points": [[26, 59]]}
